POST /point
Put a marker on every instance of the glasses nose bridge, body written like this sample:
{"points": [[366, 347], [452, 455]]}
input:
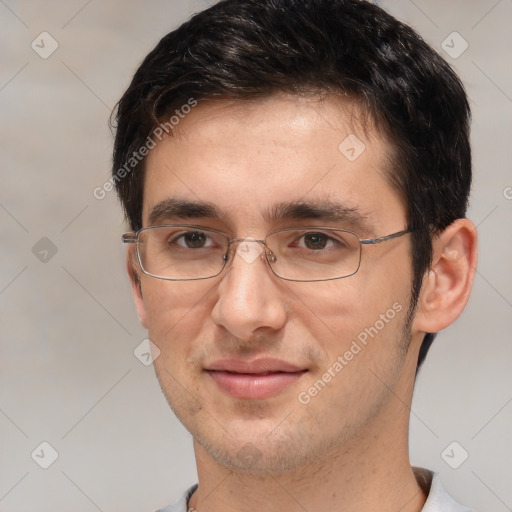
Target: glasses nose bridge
{"points": [[270, 256]]}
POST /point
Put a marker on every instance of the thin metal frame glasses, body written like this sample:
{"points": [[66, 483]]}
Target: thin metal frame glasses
{"points": [[183, 252]]}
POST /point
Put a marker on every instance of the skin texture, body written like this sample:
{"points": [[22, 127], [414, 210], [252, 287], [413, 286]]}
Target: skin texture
{"points": [[347, 448]]}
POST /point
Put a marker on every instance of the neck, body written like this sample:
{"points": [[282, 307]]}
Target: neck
{"points": [[370, 471], [319, 490], [364, 476]]}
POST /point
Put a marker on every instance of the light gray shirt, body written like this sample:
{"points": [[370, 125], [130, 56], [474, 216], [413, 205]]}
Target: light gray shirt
{"points": [[438, 500]]}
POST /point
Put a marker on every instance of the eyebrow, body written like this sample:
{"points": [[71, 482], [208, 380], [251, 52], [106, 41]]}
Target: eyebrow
{"points": [[182, 209], [318, 209]]}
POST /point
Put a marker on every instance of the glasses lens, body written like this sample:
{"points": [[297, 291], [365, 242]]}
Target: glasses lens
{"points": [[181, 252], [314, 255]]}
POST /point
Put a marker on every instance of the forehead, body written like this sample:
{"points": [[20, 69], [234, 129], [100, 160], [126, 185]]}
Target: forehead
{"points": [[248, 157]]}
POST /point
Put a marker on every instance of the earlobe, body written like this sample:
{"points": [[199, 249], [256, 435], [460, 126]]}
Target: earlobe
{"points": [[447, 285], [136, 284]]}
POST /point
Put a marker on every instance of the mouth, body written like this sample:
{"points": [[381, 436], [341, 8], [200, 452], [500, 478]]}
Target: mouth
{"points": [[254, 380]]}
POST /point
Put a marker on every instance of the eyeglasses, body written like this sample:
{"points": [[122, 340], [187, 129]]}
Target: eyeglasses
{"points": [[181, 252]]}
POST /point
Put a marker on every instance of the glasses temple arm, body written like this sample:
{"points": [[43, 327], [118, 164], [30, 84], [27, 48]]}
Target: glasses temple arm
{"points": [[129, 238], [384, 238]]}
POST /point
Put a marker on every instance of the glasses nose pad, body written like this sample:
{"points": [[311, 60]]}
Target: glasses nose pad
{"points": [[271, 256]]}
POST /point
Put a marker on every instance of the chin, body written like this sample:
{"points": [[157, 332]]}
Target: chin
{"points": [[270, 453]]}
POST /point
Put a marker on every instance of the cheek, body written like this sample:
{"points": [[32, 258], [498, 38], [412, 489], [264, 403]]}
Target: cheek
{"points": [[357, 323], [175, 312], [339, 310], [359, 331]]}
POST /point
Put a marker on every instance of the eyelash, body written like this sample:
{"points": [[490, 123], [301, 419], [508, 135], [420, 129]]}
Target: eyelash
{"points": [[330, 240]]}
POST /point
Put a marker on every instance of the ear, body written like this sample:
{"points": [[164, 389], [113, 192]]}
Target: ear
{"points": [[133, 269], [447, 285]]}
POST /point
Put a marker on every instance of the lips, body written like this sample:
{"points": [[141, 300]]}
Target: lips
{"points": [[257, 379]]}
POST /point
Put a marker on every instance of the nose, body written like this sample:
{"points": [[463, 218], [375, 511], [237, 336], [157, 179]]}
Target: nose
{"points": [[250, 299]]}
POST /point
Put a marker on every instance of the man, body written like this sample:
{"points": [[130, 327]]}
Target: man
{"points": [[296, 176]]}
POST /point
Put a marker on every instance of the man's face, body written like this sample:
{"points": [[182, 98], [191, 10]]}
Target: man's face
{"points": [[337, 347]]}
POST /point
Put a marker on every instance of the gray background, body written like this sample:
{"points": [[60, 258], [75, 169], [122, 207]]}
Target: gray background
{"points": [[68, 328]]}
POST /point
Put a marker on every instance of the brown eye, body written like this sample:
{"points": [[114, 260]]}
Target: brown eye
{"points": [[194, 240], [315, 241]]}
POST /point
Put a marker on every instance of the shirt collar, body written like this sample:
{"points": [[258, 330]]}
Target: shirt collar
{"points": [[438, 500]]}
